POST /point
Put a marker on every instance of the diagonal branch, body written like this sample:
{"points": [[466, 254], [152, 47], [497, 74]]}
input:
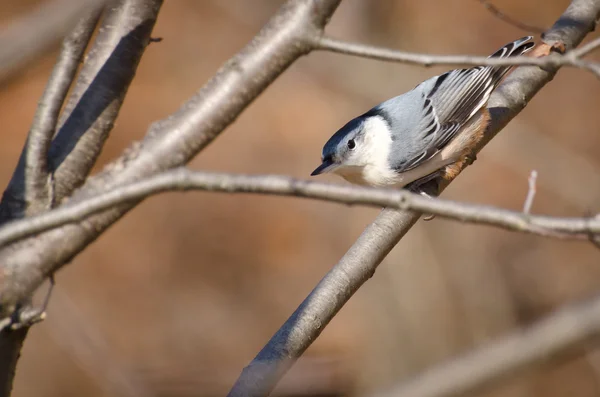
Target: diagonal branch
{"points": [[31, 179], [473, 372], [170, 143], [35, 33], [186, 180], [378, 239]]}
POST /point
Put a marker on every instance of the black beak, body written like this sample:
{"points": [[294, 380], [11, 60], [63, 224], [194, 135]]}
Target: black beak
{"points": [[324, 167]]}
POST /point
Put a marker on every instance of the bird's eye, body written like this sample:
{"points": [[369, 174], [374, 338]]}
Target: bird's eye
{"points": [[351, 144]]}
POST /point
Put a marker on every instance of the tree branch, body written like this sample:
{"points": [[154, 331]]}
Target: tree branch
{"points": [[485, 367], [98, 95], [554, 60], [185, 180], [378, 239], [33, 34], [27, 39], [31, 179], [169, 143]]}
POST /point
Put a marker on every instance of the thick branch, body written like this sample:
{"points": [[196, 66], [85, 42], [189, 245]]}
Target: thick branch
{"points": [[30, 186], [170, 143], [558, 333], [35, 33], [184, 180], [378, 239], [94, 104]]}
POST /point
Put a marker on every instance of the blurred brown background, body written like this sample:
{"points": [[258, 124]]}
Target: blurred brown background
{"points": [[182, 293]]}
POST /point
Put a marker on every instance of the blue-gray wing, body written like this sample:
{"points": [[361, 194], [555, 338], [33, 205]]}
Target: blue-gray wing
{"points": [[446, 103]]}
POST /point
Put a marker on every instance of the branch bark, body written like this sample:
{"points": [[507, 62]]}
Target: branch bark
{"points": [[98, 95], [571, 58], [378, 239], [170, 143], [29, 190], [185, 180]]}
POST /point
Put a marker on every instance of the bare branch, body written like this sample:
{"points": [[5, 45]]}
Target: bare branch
{"points": [[170, 143], [36, 32], [378, 239], [509, 20], [485, 367], [552, 61], [184, 180], [94, 104], [31, 180]]}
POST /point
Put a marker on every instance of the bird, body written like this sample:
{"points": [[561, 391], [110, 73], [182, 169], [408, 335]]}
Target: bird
{"points": [[425, 133]]}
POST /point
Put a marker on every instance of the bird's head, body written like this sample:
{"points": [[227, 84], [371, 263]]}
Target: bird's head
{"points": [[362, 142]]}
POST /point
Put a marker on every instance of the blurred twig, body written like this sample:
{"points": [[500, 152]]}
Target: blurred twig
{"points": [[361, 261], [557, 333], [184, 180], [571, 58], [530, 192], [77, 334], [495, 11], [33, 34]]}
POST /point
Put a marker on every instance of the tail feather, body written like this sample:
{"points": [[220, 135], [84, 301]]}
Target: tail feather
{"points": [[516, 48]]}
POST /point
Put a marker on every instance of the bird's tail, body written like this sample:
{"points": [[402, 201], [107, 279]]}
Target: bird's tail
{"points": [[516, 48]]}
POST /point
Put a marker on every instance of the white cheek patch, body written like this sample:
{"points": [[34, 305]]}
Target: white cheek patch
{"points": [[372, 153], [377, 141]]}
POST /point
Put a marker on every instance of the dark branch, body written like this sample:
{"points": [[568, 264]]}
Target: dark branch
{"points": [[378, 239], [184, 180]]}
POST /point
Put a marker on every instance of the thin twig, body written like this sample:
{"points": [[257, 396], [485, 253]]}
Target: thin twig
{"points": [[552, 61], [485, 367], [495, 11], [35, 33], [362, 259], [184, 180], [530, 193], [586, 48]]}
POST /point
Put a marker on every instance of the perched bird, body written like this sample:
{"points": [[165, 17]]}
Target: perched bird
{"points": [[420, 135]]}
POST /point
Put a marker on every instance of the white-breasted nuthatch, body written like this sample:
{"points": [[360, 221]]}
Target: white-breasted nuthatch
{"points": [[422, 134]]}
